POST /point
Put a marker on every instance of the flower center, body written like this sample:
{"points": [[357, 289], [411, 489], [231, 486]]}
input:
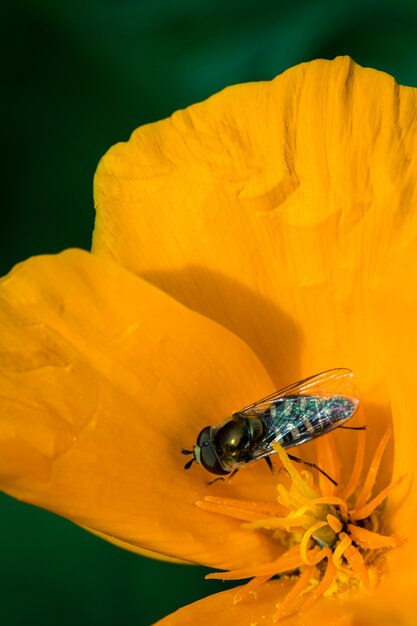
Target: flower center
{"points": [[328, 535]]}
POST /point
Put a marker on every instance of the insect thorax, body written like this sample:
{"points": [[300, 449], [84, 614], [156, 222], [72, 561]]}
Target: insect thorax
{"points": [[236, 439]]}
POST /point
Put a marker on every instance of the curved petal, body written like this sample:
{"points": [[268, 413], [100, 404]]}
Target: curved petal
{"points": [[130, 547], [221, 609], [275, 207], [103, 378], [396, 608]]}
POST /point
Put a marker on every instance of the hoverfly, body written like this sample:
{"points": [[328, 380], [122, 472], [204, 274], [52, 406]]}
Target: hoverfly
{"points": [[291, 416]]}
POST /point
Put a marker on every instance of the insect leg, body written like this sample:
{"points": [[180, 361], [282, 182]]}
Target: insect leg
{"points": [[211, 482], [353, 427], [297, 460], [229, 477], [269, 464]]}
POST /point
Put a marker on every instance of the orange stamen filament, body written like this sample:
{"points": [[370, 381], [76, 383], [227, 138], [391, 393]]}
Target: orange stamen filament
{"points": [[334, 523], [373, 470], [366, 510], [280, 522], [355, 560], [344, 543], [354, 479], [299, 483], [328, 578], [314, 556], [287, 562], [266, 508], [250, 588], [326, 500], [245, 511], [290, 601], [369, 539]]}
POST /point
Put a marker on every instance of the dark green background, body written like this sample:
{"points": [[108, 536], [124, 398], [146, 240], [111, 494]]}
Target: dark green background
{"points": [[77, 77]]}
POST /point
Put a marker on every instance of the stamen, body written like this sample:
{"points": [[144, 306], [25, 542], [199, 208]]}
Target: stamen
{"points": [[289, 603], [344, 543], [326, 500], [355, 475], [250, 588], [315, 555], [244, 510], [366, 510], [281, 522], [373, 470], [327, 580], [334, 523], [371, 540], [287, 562], [267, 508], [299, 483], [355, 560]]}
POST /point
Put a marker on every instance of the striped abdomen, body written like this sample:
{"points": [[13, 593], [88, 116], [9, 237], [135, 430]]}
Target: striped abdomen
{"points": [[293, 420]]}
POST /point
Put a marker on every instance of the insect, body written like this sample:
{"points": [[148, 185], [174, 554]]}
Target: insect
{"points": [[291, 416]]}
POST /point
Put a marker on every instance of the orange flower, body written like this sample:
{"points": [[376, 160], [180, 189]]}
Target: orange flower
{"points": [[264, 235]]}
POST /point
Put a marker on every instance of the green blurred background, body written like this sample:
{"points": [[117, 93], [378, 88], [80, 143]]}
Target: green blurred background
{"points": [[77, 77]]}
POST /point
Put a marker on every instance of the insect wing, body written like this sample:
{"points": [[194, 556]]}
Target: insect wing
{"points": [[332, 383]]}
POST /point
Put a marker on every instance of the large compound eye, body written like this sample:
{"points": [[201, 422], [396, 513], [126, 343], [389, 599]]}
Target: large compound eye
{"points": [[204, 436], [210, 461]]}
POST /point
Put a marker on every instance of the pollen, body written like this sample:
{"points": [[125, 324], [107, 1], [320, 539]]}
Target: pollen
{"points": [[328, 536]]}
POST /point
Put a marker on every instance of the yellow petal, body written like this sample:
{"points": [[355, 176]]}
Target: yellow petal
{"points": [[221, 609], [273, 208], [392, 610], [259, 610], [136, 549], [103, 378]]}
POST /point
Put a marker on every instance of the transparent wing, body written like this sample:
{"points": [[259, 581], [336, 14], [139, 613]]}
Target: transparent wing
{"points": [[334, 382]]}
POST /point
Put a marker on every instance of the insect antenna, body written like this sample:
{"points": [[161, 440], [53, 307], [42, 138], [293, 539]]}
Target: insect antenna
{"points": [[189, 463], [186, 453]]}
